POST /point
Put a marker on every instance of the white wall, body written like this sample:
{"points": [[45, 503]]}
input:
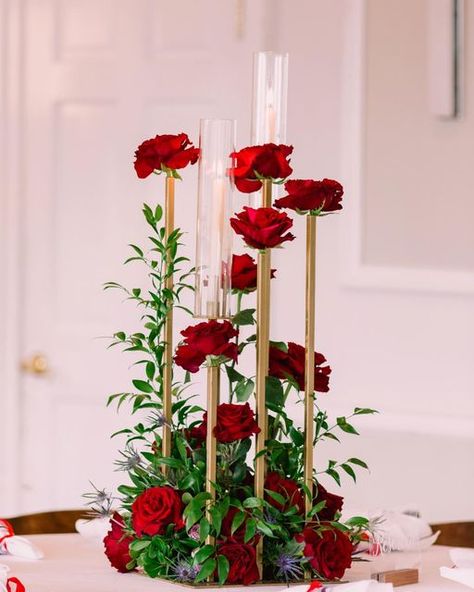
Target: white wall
{"points": [[407, 353]]}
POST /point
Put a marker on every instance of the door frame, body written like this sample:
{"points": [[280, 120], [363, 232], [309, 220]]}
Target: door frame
{"points": [[11, 74]]}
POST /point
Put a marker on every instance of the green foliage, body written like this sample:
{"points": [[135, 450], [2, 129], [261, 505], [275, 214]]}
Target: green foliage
{"points": [[185, 467]]}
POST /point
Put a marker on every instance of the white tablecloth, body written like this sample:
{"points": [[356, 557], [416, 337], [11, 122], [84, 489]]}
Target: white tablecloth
{"points": [[75, 564]]}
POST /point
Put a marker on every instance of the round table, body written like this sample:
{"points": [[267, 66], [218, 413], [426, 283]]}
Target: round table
{"points": [[73, 563]]}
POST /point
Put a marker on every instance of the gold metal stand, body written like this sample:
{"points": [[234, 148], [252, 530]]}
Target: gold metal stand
{"points": [[168, 329], [263, 337], [213, 388], [310, 302]]}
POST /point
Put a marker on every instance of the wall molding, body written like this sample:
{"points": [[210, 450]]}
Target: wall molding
{"points": [[355, 272], [10, 250]]}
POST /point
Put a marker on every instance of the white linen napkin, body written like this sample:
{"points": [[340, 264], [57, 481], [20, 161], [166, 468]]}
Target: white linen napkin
{"points": [[399, 529], [362, 586], [11, 544], [95, 529], [463, 572]]}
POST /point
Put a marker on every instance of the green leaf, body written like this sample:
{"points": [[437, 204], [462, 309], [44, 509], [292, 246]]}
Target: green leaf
{"points": [[364, 411], [244, 390], [204, 553], [204, 529], [250, 529], [233, 375], [358, 462], [143, 386], [349, 470], [357, 521], [252, 502], [346, 427], [244, 317], [207, 569], [139, 545], [237, 521], [280, 499], [150, 370], [274, 391], [223, 568], [335, 475], [158, 213]]}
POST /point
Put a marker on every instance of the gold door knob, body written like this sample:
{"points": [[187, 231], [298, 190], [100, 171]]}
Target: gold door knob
{"points": [[37, 364]]}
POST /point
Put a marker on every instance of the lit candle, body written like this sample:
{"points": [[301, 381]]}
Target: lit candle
{"points": [[214, 235]]}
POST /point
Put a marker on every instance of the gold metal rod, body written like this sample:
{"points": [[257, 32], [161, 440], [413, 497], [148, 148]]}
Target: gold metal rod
{"points": [[168, 328], [310, 305], [263, 338], [213, 388]]}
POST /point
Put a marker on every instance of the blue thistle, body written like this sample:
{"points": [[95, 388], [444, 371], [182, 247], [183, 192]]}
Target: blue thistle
{"points": [[185, 571], [288, 566]]}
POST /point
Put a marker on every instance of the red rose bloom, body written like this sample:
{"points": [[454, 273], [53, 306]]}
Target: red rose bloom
{"points": [[234, 422], [290, 364], [329, 551], [244, 273], [303, 196], [243, 563], [269, 161], [205, 339], [263, 228], [288, 489], [333, 505], [117, 543], [155, 509], [171, 151]]}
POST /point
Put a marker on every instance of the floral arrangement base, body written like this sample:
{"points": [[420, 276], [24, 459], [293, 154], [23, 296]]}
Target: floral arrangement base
{"points": [[267, 586]]}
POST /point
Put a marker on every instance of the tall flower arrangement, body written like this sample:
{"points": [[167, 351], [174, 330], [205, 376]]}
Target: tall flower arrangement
{"points": [[268, 518]]}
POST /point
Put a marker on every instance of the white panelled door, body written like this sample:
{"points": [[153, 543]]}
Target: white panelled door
{"points": [[100, 76]]}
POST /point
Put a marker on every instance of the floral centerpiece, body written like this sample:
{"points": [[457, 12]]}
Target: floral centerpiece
{"points": [[228, 494]]}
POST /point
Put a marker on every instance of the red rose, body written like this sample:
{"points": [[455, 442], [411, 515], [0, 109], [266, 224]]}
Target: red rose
{"points": [[329, 551], [288, 489], [244, 273], [167, 150], [234, 422], [262, 228], [206, 339], [243, 563], [117, 543], [333, 505], [269, 161], [303, 196], [291, 364], [155, 509]]}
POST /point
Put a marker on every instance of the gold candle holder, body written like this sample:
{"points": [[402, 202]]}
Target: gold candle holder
{"points": [[168, 328], [263, 339], [310, 302], [213, 389]]}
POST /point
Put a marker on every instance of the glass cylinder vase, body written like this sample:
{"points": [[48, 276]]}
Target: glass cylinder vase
{"points": [[213, 233], [270, 90]]}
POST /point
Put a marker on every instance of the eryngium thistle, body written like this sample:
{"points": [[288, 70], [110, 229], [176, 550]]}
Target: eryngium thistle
{"points": [[100, 503], [288, 566], [131, 459], [185, 571]]}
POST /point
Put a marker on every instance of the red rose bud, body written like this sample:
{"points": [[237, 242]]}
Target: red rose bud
{"points": [[288, 489], [171, 151], [116, 544], [234, 422], [242, 561], [209, 338], [263, 228], [244, 273], [155, 509], [291, 365], [329, 551], [309, 195], [269, 161], [333, 505]]}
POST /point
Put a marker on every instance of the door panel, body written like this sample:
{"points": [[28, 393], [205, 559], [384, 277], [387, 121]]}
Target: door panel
{"points": [[100, 76]]}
